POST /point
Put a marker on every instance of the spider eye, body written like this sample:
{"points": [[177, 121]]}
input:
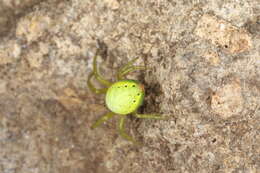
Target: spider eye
{"points": [[133, 86], [125, 85]]}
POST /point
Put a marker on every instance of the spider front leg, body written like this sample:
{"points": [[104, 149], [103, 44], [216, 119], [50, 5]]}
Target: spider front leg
{"points": [[102, 119], [130, 63], [96, 74], [128, 68], [122, 132], [92, 88]]}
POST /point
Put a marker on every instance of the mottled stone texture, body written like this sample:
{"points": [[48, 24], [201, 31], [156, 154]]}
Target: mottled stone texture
{"points": [[203, 69]]}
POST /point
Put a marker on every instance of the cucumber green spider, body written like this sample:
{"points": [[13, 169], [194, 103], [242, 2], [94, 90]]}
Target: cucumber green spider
{"points": [[123, 97]]}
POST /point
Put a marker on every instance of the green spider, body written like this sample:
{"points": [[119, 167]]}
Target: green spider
{"points": [[123, 97]]}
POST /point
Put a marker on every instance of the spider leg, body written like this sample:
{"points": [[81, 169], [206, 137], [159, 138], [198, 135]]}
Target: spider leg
{"points": [[122, 130], [96, 73], [127, 68], [102, 119], [92, 88], [130, 63], [149, 116], [130, 69]]}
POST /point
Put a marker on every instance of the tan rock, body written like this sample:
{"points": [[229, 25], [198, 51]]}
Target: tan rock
{"points": [[222, 33], [113, 4], [227, 100], [9, 52], [33, 27], [212, 57], [69, 98], [2, 86]]}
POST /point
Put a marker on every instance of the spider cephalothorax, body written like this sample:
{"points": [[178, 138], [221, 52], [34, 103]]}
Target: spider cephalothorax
{"points": [[123, 97]]}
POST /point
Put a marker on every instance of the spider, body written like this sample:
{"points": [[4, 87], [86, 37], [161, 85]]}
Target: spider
{"points": [[123, 97]]}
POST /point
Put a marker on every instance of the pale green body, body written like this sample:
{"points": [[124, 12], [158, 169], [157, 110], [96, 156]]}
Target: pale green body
{"points": [[125, 96]]}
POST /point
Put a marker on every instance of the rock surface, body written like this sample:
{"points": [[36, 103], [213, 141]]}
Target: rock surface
{"points": [[203, 68]]}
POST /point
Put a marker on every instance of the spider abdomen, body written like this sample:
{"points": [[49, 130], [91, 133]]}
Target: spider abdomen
{"points": [[125, 96]]}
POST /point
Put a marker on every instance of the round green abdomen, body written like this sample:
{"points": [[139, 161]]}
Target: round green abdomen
{"points": [[124, 97]]}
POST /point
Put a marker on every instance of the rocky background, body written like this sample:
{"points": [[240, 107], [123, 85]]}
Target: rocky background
{"points": [[203, 69]]}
